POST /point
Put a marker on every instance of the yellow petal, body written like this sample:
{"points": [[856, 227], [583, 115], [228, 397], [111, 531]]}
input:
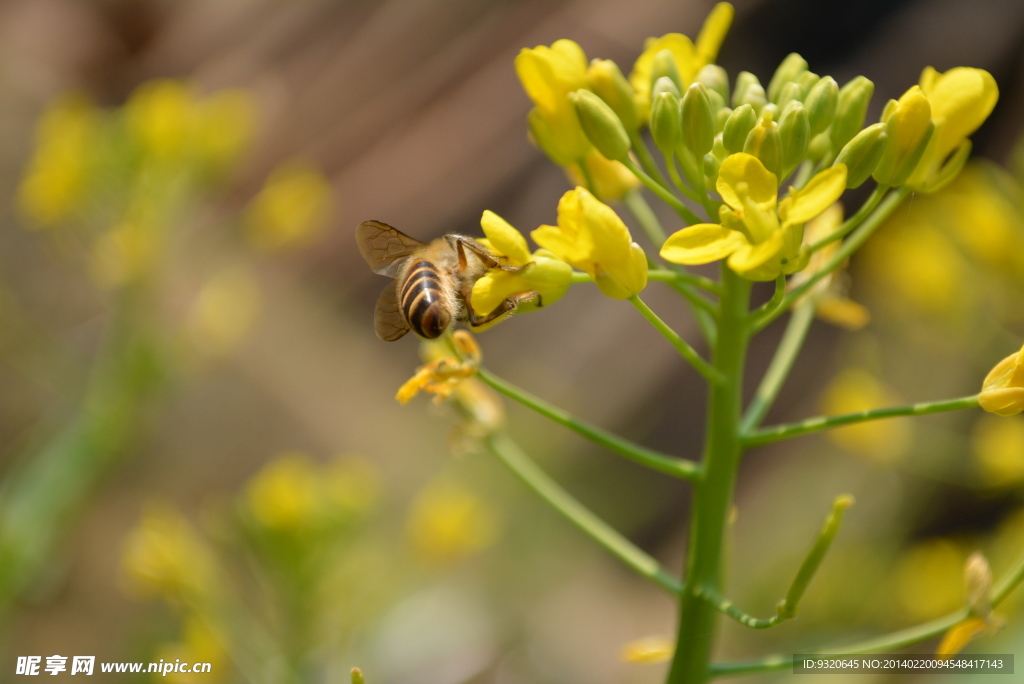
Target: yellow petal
{"points": [[684, 53], [749, 257], [625, 279], [504, 238], [815, 197], [547, 276], [743, 175], [649, 650], [712, 33], [961, 99], [960, 635], [701, 244], [1002, 391], [548, 74]]}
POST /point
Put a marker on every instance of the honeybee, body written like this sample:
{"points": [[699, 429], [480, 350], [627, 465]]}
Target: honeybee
{"points": [[432, 281]]}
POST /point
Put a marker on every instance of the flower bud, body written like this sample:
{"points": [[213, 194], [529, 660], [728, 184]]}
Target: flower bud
{"points": [[1002, 392], [602, 127], [789, 70], [715, 79], [721, 117], [665, 65], [820, 147], [821, 104], [908, 128], [744, 81], [665, 85], [978, 582], [755, 97], [665, 122], [764, 142], [795, 136], [717, 103], [807, 80], [553, 145], [737, 127], [861, 154], [851, 108], [607, 81], [698, 119]]}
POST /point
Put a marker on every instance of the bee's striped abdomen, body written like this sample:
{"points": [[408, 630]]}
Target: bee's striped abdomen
{"points": [[422, 298]]}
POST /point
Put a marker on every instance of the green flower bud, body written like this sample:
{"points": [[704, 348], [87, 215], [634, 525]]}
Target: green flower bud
{"points": [[715, 79], [764, 142], [908, 129], [791, 92], [807, 80], [665, 65], [851, 108], [665, 85], [711, 166], [820, 147], [740, 123], [665, 122], [789, 70], [821, 104], [795, 135], [744, 81], [861, 154], [755, 97], [721, 116], [698, 120], [717, 103], [600, 124], [607, 81]]}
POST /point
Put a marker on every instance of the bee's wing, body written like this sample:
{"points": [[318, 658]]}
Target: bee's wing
{"points": [[388, 321], [384, 247]]}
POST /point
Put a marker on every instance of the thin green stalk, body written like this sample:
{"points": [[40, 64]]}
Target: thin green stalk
{"points": [[884, 643], [676, 467], [727, 608], [853, 221], [773, 303], [646, 160], [858, 238], [778, 433], [597, 529], [677, 180], [662, 192], [702, 282], [781, 363], [684, 349], [649, 223], [713, 494]]}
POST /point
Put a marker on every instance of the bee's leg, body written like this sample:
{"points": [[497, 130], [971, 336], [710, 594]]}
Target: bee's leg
{"points": [[462, 244], [510, 303]]}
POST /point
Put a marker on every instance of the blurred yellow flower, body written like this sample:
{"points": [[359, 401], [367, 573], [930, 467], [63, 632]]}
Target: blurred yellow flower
{"points": [[761, 236], [285, 494], [929, 579], [200, 644], [548, 75], [352, 484], [127, 253], [164, 555], [688, 57], [611, 179], [543, 273], [224, 312], [854, 390], [58, 174], [223, 127], [1002, 391], [591, 237], [649, 650], [998, 447], [294, 205], [159, 117], [448, 522]]}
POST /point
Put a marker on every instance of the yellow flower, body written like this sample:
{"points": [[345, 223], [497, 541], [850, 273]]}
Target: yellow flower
{"points": [[908, 129], [61, 167], [1002, 392], [611, 179], [293, 206], [689, 58], [760, 236], [591, 237], [224, 312], [961, 99], [201, 643], [165, 555], [223, 127], [285, 494], [829, 293], [448, 522], [649, 650], [548, 75], [159, 117], [543, 273], [444, 371]]}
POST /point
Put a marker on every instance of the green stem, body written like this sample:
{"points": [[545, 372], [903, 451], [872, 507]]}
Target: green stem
{"points": [[597, 529], [778, 433], [649, 223], [772, 304], [668, 276], [859, 237], [713, 495], [884, 643], [684, 349], [677, 180], [662, 192], [778, 369], [646, 160], [855, 220], [727, 608], [675, 467]]}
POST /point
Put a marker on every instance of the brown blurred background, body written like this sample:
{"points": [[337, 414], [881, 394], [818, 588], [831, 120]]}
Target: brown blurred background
{"points": [[413, 110]]}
